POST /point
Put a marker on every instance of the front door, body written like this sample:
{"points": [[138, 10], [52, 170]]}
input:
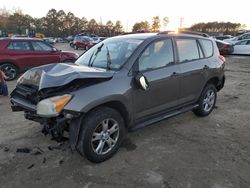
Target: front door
{"points": [[242, 47], [157, 64], [44, 54]]}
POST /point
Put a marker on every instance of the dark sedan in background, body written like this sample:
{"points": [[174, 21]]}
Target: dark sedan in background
{"points": [[224, 47]]}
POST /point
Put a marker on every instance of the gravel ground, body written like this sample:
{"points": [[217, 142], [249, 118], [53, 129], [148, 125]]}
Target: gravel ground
{"points": [[182, 152]]}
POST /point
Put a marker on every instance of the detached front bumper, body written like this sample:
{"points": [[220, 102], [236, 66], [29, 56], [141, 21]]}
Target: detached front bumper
{"points": [[66, 121], [17, 104]]}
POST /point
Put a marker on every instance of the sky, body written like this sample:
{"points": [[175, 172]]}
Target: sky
{"points": [[131, 11]]}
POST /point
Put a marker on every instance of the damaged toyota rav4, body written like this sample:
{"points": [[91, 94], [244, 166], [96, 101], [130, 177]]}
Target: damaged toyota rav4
{"points": [[123, 83]]}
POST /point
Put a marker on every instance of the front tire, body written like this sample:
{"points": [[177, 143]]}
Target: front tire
{"points": [[9, 70], [206, 101], [101, 134]]}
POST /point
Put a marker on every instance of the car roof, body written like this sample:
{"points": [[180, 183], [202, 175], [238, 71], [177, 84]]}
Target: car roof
{"points": [[21, 39], [245, 33], [144, 36]]}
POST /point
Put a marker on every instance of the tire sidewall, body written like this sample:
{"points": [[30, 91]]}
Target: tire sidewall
{"points": [[89, 125], [201, 109], [10, 65]]}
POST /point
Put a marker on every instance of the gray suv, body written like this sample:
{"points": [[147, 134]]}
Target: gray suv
{"points": [[123, 83]]}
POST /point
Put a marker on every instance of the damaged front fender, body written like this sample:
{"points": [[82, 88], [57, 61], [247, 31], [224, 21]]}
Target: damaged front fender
{"points": [[60, 74]]}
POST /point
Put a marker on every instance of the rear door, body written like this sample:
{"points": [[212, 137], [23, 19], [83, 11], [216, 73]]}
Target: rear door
{"points": [[43, 53], [157, 64], [193, 65], [21, 53]]}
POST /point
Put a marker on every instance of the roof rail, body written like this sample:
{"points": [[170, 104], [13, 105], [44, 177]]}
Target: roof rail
{"points": [[193, 33], [165, 32]]}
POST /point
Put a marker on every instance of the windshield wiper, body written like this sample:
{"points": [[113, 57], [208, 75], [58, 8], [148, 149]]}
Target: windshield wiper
{"points": [[108, 59], [90, 64]]}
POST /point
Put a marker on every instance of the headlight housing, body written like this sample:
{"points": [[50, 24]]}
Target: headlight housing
{"points": [[51, 107]]}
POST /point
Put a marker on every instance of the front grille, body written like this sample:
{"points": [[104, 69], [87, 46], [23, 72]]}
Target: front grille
{"points": [[26, 93]]}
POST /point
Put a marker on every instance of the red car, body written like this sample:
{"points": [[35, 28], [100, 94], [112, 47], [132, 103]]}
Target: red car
{"points": [[20, 54], [83, 42]]}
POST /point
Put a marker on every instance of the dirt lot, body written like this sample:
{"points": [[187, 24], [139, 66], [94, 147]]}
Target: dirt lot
{"points": [[182, 152]]}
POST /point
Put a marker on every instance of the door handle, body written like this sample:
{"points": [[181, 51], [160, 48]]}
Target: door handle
{"points": [[206, 67], [174, 74]]}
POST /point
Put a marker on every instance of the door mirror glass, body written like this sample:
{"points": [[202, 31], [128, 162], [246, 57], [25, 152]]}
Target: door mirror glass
{"points": [[142, 81]]}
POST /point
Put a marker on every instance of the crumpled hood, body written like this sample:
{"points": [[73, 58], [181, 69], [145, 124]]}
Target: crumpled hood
{"points": [[59, 74]]}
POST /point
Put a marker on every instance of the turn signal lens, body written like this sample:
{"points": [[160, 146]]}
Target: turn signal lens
{"points": [[60, 102]]}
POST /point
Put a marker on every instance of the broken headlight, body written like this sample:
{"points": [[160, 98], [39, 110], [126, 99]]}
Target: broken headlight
{"points": [[51, 107]]}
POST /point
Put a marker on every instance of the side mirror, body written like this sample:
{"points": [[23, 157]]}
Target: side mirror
{"points": [[54, 50], [142, 81]]}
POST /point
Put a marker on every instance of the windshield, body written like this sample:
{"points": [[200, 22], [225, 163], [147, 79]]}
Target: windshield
{"points": [[88, 39], [109, 54]]}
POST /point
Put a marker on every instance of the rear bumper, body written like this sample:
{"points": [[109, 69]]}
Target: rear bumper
{"points": [[221, 83]]}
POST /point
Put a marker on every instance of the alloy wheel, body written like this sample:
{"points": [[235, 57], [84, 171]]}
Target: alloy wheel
{"points": [[209, 100], [105, 136]]}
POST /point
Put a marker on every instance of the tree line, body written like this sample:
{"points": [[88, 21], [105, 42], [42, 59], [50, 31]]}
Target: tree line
{"points": [[59, 23], [218, 27], [62, 24], [56, 24], [154, 27]]}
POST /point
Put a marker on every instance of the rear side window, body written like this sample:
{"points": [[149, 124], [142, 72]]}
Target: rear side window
{"points": [[19, 45], [187, 49], [207, 46]]}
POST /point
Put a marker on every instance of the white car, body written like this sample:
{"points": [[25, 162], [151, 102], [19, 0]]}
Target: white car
{"points": [[242, 47], [238, 38]]}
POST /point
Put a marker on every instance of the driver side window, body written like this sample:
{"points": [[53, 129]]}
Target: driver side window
{"points": [[158, 54], [40, 46]]}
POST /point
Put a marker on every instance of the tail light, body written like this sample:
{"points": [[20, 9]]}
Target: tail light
{"points": [[222, 58]]}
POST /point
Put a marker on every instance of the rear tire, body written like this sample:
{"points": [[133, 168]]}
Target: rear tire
{"points": [[75, 47], [206, 101], [10, 70], [101, 134]]}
